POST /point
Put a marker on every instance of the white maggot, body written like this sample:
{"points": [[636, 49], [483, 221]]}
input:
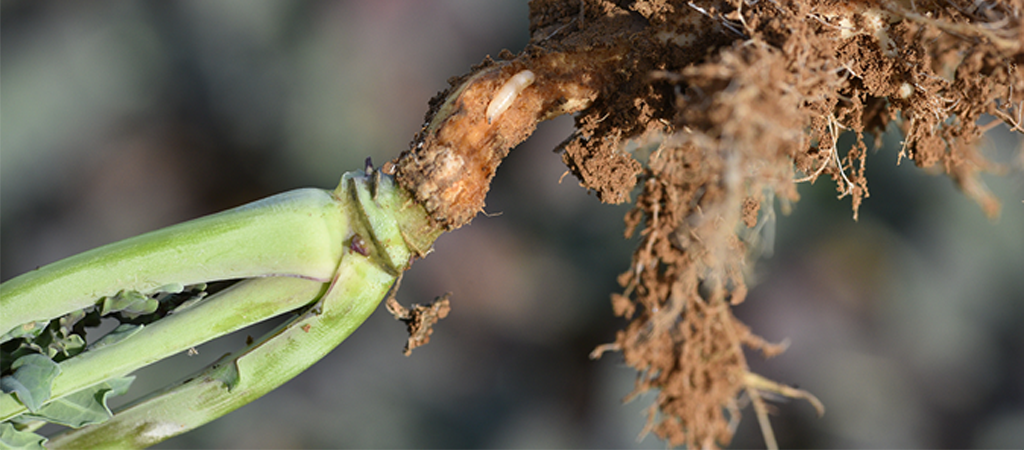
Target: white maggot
{"points": [[508, 93]]}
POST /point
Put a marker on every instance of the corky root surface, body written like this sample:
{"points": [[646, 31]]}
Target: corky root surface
{"points": [[707, 111]]}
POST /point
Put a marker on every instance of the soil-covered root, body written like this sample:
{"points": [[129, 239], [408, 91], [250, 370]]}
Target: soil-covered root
{"points": [[756, 116], [715, 108]]}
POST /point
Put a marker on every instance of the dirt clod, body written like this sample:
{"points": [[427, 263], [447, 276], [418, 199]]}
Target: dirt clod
{"points": [[419, 320]]}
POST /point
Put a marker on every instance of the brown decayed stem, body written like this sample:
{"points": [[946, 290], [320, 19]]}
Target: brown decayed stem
{"points": [[453, 159]]}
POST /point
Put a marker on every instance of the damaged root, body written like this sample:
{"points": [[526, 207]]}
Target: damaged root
{"points": [[715, 109]]}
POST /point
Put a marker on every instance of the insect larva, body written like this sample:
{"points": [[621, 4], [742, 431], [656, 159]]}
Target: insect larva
{"points": [[508, 93]]}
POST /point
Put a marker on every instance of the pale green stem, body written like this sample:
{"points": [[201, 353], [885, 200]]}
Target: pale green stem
{"points": [[249, 374], [344, 248], [360, 283], [237, 307], [297, 233]]}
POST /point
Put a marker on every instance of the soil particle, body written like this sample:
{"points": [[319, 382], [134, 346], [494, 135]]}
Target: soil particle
{"points": [[701, 108], [751, 207]]}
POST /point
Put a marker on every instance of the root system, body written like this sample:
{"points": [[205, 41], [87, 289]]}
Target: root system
{"points": [[708, 111]]}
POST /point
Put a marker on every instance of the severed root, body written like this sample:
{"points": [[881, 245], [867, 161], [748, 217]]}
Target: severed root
{"points": [[420, 319]]}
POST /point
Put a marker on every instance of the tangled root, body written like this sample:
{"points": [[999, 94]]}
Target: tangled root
{"points": [[716, 108]]}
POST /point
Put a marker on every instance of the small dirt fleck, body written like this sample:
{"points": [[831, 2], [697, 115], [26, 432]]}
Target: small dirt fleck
{"points": [[750, 210]]}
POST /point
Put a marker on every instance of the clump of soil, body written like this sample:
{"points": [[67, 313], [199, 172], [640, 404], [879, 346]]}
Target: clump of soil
{"points": [[713, 109], [419, 320]]}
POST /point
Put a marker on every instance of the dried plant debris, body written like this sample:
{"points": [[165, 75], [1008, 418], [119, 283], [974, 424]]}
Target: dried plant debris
{"points": [[716, 108], [419, 320]]}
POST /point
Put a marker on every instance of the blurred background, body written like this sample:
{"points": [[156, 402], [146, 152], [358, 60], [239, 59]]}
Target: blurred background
{"points": [[121, 117]]}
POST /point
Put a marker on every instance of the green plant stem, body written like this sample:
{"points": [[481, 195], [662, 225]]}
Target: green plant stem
{"points": [[360, 283], [237, 307], [297, 233], [249, 374]]}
